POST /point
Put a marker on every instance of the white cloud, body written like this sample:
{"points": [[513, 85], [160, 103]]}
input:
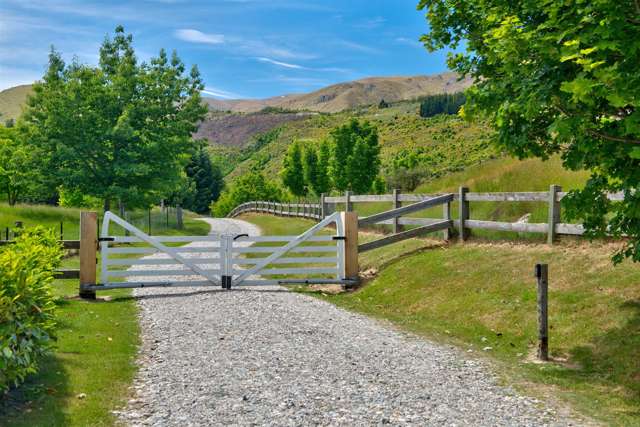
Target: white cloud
{"points": [[410, 42], [195, 36], [219, 93], [281, 64]]}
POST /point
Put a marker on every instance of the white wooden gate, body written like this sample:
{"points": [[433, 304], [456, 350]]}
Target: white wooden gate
{"points": [[221, 259]]}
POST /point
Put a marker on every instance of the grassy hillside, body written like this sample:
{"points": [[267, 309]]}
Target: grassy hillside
{"points": [[12, 100], [349, 95], [482, 298], [451, 143]]}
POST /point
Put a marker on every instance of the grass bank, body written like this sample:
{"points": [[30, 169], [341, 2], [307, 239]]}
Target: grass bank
{"points": [[88, 374], [481, 296]]}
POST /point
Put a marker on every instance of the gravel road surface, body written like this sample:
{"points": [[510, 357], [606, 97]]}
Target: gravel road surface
{"points": [[270, 357]]}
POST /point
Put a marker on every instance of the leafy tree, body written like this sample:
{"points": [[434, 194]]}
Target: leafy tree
{"points": [[119, 131], [292, 173], [356, 156], [323, 181], [310, 160], [207, 181], [249, 187], [16, 172], [9, 123], [383, 104], [557, 77]]}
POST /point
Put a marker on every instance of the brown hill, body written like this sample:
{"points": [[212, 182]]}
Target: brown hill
{"points": [[12, 100], [237, 129], [348, 95]]}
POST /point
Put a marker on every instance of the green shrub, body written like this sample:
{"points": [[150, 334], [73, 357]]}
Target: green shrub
{"points": [[250, 187], [27, 304]]}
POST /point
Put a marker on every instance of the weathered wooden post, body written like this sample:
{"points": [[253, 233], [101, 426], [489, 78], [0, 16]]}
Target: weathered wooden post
{"points": [[396, 204], [350, 222], [323, 207], [463, 210], [348, 206], [542, 274], [88, 252], [554, 213], [180, 223], [446, 215]]}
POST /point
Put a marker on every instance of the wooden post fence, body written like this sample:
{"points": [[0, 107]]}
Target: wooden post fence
{"points": [[446, 215], [88, 252], [542, 274], [396, 204], [348, 206], [554, 213], [463, 209]]}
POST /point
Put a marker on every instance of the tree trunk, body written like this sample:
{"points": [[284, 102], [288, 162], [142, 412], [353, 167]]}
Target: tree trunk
{"points": [[107, 205], [179, 217]]}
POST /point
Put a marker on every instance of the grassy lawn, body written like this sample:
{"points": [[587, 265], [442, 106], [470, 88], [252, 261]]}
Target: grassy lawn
{"points": [[481, 295], [93, 364]]}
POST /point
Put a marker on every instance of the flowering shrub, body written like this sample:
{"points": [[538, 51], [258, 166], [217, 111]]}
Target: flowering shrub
{"points": [[27, 304]]}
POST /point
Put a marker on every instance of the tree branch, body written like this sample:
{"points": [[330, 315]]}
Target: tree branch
{"points": [[612, 138]]}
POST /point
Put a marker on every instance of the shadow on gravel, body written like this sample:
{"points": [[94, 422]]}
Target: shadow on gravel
{"points": [[194, 293]]}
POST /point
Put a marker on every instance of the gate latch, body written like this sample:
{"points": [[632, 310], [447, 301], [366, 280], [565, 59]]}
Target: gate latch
{"points": [[339, 238], [106, 239], [226, 282]]}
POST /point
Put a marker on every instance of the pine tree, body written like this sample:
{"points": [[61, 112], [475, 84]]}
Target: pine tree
{"points": [[292, 173], [207, 181]]}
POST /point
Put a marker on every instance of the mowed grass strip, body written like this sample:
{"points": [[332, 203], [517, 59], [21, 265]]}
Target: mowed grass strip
{"points": [[93, 364], [482, 295]]}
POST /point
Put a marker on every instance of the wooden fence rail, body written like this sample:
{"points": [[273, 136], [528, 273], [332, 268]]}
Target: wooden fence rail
{"points": [[328, 204]]}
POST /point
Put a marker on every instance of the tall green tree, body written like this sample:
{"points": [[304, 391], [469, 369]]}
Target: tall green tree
{"points": [[118, 131], [310, 163], [557, 77], [323, 180], [356, 156], [292, 173], [16, 172], [207, 181]]}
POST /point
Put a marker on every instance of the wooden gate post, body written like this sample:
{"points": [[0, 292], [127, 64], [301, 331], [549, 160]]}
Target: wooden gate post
{"points": [[350, 222], [463, 206], [323, 207], [348, 206], [88, 252], [554, 213]]}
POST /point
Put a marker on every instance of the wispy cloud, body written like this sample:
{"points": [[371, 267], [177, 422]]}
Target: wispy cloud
{"points": [[370, 23], [195, 36], [408, 41], [219, 93], [357, 46], [281, 64]]}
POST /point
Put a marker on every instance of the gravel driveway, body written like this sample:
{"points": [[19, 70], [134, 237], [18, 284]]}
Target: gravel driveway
{"points": [[270, 357]]}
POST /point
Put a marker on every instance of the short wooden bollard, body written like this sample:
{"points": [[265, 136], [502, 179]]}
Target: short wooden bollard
{"points": [[88, 252], [542, 275]]}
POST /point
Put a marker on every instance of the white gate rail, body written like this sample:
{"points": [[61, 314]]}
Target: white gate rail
{"points": [[222, 260]]}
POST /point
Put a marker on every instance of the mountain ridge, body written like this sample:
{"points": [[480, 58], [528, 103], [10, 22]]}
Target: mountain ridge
{"points": [[348, 95]]}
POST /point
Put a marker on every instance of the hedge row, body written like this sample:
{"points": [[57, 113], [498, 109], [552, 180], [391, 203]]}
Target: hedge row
{"points": [[27, 304]]}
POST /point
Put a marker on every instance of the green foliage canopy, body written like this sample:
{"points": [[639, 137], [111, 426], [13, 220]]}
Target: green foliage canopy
{"points": [[356, 156], [16, 160], [557, 77], [207, 181], [121, 130], [249, 187], [293, 173]]}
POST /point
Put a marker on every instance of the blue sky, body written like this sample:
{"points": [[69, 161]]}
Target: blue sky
{"points": [[244, 48]]}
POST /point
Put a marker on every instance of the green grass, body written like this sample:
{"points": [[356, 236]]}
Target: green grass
{"points": [[481, 295], [53, 216], [95, 351]]}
